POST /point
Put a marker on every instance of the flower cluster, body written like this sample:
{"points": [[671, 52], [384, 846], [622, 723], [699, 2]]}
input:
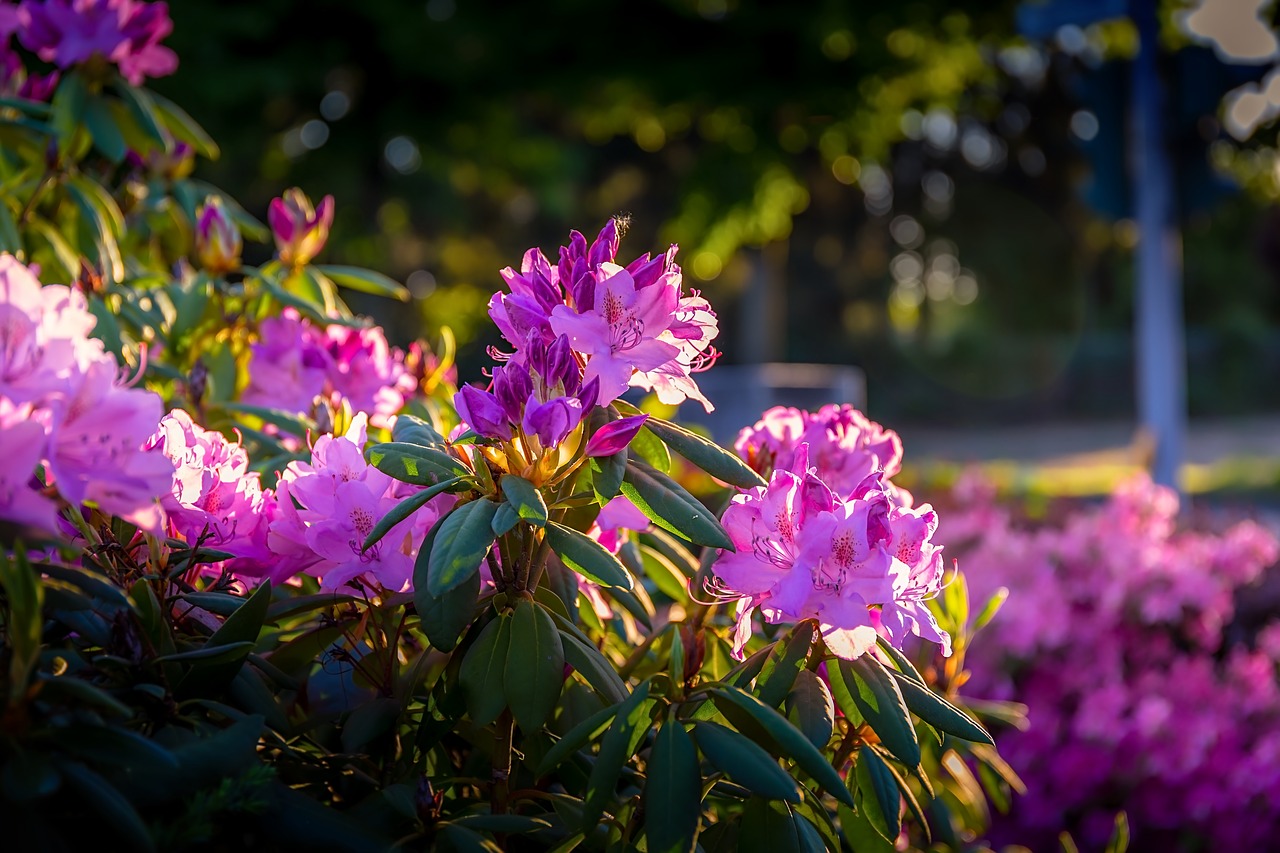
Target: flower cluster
{"points": [[629, 326], [843, 445], [125, 33], [64, 405], [326, 509], [294, 361], [1116, 637], [855, 559]]}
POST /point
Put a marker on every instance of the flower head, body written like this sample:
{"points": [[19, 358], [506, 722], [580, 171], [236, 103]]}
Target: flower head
{"points": [[299, 229], [126, 33]]}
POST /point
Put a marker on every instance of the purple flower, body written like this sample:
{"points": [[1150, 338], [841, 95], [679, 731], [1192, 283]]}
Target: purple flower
{"points": [[218, 240], [24, 443], [483, 412], [299, 229], [365, 370], [289, 364], [124, 32], [631, 326]]}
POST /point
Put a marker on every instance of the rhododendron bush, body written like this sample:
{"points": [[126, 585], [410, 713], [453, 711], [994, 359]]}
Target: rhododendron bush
{"points": [[271, 582], [1144, 690]]}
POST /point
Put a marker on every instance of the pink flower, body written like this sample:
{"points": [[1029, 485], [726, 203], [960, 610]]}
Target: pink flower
{"points": [[340, 498], [365, 370], [288, 365], [124, 32], [299, 229], [804, 552], [24, 442], [844, 446], [615, 436]]}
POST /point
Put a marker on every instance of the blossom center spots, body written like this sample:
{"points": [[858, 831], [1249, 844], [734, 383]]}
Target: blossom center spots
{"points": [[613, 309], [842, 549], [363, 520], [909, 552], [785, 526]]}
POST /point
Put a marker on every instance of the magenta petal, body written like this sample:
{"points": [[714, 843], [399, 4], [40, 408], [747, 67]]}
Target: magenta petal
{"points": [[614, 436], [482, 411]]}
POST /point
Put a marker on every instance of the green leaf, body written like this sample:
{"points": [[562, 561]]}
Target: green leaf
{"points": [[587, 661], [878, 699], [784, 664], [795, 745], [452, 838], [505, 519], [535, 666], [107, 137], [107, 594], [706, 454], [116, 811], [291, 422], [413, 463], [368, 721], [70, 689], [184, 127], [672, 791], [587, 557], [501, 822], [413, 430], [990, 609], [10, 239], [574, 739], [606, 475], [207, 654], [465, 537], [406, 508], [666, 503], [939, 713], [615, 749], [526, 499], [365, 281], [242, 626], [483, 671], [68, 109], [861, 834], [769, 826], [879, 794], [901, 661], [811, 709], [114, 747], [29, 776], [143, 111], [745, 762]]}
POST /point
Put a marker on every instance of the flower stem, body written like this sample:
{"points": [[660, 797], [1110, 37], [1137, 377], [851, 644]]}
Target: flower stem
{"points": [[503, 732]]}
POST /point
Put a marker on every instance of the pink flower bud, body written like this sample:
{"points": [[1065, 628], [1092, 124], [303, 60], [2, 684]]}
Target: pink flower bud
{"points": [[217, 239], [614, 436], [300, 230]]}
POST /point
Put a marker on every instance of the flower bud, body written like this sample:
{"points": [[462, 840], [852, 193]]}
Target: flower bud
{"points": [[300, 230], [218, 240]]}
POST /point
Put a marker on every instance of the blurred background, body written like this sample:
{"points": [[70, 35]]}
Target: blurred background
{"points": [[937, 193]]}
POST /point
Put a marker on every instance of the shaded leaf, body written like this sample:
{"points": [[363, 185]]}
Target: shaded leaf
{"points": [[464, 539], [876, 695], [525, 497], [587, 557], [365, 281], [406, 508], [535, 666], [666, 503], [939, 713], [706, 454], [745, 762], [672, 791], [614, 752], [483, 671]]}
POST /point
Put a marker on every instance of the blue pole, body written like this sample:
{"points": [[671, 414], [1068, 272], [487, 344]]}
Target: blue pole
{"points": [[1161, 362]]}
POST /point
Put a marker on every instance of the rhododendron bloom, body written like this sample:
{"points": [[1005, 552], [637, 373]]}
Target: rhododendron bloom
{"points": [[844, 445], [218, 241], [300, 230], [340, 498], [24, 442], [124, 32], [805, 552], [615, 436], [367, 372]]}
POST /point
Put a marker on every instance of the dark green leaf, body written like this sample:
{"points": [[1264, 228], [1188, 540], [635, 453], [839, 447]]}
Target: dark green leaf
{"points": [[443, 617], [208, 654], [68, 108], [576, 738], [10, 239], [294, 605], [526, 499], [29, 776], [535, 666], [811, 709], [587, 661], [365, 281], [483, 671], [880, 702], [587, 557], [465, 537], [706, 454], [368, 721], [606, 475], [413, 463], [878, 792], [70, 689], [242, 626], [406, 508], [901, 661], [116, 811], [452, 838], [768, 826], [501, 822], [412, 430], [745, 762], [861, 834], [505, 519], [790, 739], [143, 111], [107, 137], [784, 663], [633, 714], [939, 713], [672, 791], [666, 503]]}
